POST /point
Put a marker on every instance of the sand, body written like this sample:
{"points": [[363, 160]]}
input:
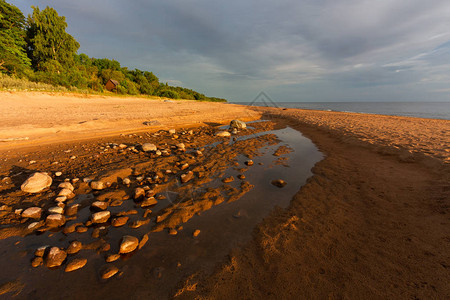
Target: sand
{"points": [[372, 222]]}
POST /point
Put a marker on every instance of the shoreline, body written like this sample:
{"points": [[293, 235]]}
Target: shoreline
{"points": [[371, 222]]}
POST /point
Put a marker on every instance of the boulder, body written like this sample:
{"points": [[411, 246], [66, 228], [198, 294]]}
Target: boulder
{"points": [[76, 264], [149, 147], [129, 244], [36, 183], [32, 213], [55, 257], [237, 124], [55, 220], [101, 217]]}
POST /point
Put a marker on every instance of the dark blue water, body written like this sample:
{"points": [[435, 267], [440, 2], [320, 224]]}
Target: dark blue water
{"points": [[432, 110]]}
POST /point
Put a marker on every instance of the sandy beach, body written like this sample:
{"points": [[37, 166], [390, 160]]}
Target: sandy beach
{"points": [[371, 219]]}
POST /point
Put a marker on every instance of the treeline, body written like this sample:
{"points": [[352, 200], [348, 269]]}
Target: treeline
{"points": [[39, 49]]}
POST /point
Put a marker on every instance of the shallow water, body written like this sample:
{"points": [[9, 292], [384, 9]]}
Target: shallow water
{"points": [[165, 260]]}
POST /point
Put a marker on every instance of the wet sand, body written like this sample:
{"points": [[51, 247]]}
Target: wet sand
{"points": [[372, 221]]}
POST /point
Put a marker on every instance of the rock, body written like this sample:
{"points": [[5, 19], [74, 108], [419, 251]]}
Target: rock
{"points": [[147, 147], [279, 183], [97, 185], [81, 229], [100, 217], [241, 176], [99, 205], [56, 210], [36, 183], [129, 244], [76, 264], [65, 193], [112, 257], [138, 193], [223, 133], [143, 241], [122, 146], [172, 131], [198, 153], [40, 251], [72, 210], [249, 162], [186, 177], [37, 261], [66, 185], [119, 221], [196, 233], [139, 223], [109, 272], [184, 166], [32, 213], [237, 124], [228, 179], [74, 247], [149, 202], [234, 131], [55, 257], [55, 220], [57, 174], [173, 231], [126, 181], [181, 146], [116, 203], [158, 153], [34, 225], [60, 199]]}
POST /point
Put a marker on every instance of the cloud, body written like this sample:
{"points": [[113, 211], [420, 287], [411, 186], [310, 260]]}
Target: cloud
{"points": [[234, 48]]}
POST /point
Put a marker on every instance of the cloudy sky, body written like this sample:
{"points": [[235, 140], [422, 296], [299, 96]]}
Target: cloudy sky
{"points": [[294, 50]]}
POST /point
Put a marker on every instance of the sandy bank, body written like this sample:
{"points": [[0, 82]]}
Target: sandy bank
{"points": [[32, 118]]}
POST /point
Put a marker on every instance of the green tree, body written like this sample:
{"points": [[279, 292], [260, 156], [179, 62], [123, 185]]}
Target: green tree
{"points": [[48, 40], [13, 58]]}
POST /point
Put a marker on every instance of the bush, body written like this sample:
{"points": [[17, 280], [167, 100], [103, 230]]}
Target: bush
{"points": [[168, 94]]}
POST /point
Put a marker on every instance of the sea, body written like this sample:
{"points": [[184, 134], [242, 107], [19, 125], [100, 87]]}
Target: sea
{"points": [[431, 110]]}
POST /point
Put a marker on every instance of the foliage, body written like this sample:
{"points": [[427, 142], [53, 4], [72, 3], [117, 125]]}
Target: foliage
{"points": [[42, 51], [13, 58], [49, 45]]}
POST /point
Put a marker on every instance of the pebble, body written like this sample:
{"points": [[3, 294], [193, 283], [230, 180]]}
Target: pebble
{"points": [[122, 146], [97, 185], [56, 210], [74, 247], [186, 177], [129, 244], [66, 185], [119, 221], [55, 257], [109, 272], [36, 183], [249, 162], [181, 146], [32, 162], [196, 233], [65, 192], [149, 147], [41, 250], [57, 174], [112, 257], [149, 202], [73, 157], [241, 176], [143, 241], [55, 220], [138, 193], [173, 231], [158, 153], [172, 131], [76, 264], [184, 166], [32, 212], [100, 217], [223, 133], [228, 179], [81, 229], [72, 210], [33, 225], [279, 183], [126, 181], [37, 261], [100, 205]]}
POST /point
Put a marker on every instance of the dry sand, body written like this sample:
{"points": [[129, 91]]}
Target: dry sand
{"points": [[28, 118], [373, 221]]}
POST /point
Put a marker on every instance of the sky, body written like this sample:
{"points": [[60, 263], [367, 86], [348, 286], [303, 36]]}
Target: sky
{"points": [[293, 50]]}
